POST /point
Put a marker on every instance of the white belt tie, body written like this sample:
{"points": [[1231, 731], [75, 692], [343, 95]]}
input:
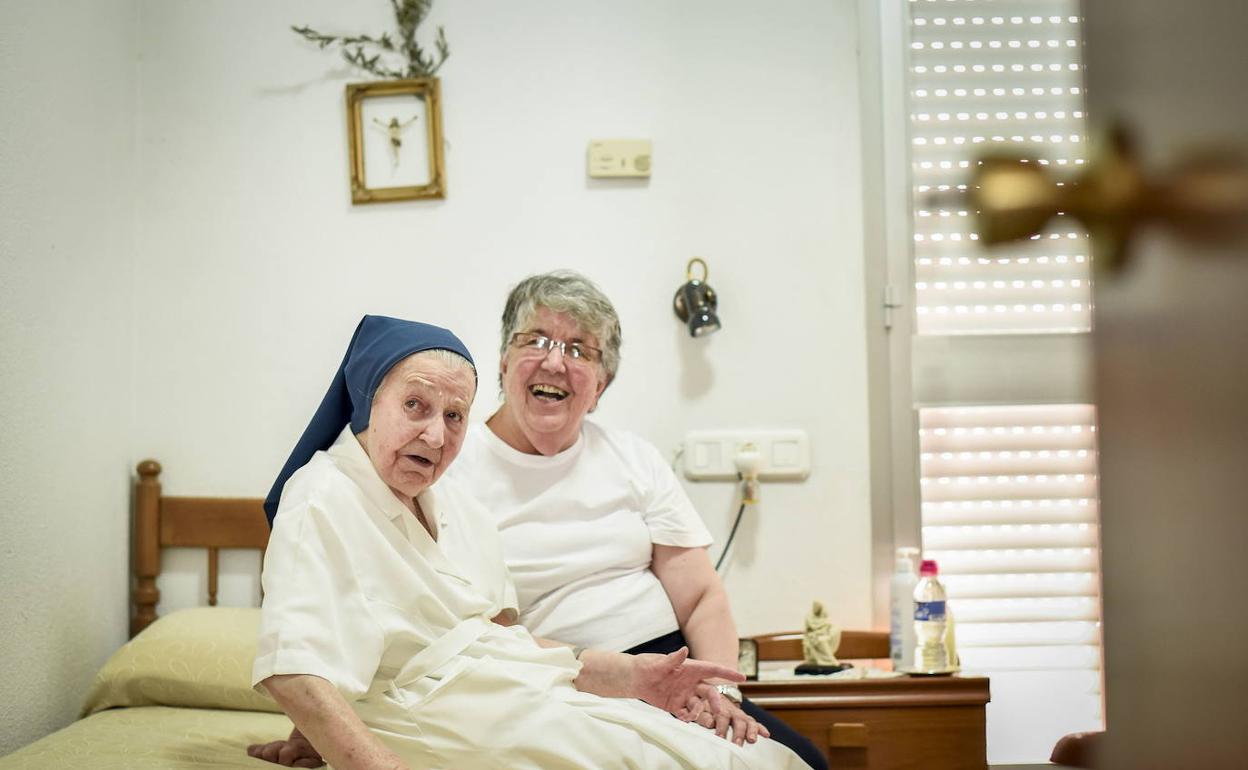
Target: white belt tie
{"points": [[440, 652]]}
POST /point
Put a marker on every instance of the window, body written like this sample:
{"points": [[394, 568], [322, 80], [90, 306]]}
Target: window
{"points": [[988, 76], [1007, 458], [1009, 511]]}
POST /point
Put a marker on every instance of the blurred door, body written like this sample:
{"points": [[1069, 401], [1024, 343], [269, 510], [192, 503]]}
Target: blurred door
{"points": [[1171, 340]]}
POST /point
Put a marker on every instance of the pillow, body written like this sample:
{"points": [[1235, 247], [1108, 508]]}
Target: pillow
{"points": [[199, 658]]}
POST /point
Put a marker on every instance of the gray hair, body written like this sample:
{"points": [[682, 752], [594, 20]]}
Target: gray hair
{"points": [[448, 357], [565, 291]]}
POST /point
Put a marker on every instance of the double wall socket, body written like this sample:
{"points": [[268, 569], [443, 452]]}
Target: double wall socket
{"points": [[710, 455]]}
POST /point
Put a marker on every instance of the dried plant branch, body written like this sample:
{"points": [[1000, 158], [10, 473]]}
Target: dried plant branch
{"points": [[416, 62]]}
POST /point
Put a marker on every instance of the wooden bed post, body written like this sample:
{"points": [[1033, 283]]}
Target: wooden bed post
{"points": [[146, 546]]}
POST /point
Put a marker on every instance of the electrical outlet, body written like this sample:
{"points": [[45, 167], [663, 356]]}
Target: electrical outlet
{"points": [[710, 455], [619, 158]]}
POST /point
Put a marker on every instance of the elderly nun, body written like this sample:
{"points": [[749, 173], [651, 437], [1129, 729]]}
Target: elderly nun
{"points": [[387, 629]]}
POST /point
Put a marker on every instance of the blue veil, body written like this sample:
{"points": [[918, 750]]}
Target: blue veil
{"points": [[377, 345]]}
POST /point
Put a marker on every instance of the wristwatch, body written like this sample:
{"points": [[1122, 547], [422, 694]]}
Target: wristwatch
{"points": [[731, 692]]}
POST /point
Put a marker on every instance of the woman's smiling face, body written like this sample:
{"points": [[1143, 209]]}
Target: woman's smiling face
{"points": [[547, 392], [418, 421]]}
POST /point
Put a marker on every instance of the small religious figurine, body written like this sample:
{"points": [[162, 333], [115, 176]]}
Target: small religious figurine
{"points": [[819, 643]]}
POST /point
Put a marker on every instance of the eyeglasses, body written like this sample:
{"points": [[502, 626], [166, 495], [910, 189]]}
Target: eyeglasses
{"points": [[540, 344]]}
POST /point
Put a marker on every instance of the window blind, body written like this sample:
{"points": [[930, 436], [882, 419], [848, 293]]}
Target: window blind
{"points": [[1008, 493], [1009, 511], [991, 75]]}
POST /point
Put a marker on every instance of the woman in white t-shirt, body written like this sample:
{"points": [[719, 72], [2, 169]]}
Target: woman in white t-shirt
{"points": [[605, 548]]}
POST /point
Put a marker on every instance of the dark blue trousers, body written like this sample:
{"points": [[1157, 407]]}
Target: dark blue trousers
{"points": [[780, 731]]}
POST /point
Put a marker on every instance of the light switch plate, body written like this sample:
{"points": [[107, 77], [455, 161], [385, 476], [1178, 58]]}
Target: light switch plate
{"points": [[619, 158]]}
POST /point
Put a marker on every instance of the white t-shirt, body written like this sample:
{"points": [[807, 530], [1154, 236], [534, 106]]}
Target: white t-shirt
{"points": [[578, 530]]}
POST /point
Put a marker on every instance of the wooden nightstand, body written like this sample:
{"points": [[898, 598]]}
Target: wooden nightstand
{"points": [[915, 723]]}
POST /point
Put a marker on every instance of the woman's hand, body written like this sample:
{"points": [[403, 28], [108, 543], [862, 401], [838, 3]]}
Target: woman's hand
{"points": [[744, 728], [670, 681], [295, 751]]}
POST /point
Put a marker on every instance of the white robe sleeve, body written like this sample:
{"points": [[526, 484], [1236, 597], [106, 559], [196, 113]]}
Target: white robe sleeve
{"points": [[314, 618]]}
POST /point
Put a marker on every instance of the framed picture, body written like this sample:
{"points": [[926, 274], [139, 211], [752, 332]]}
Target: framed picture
{"points": [[395, 131]]}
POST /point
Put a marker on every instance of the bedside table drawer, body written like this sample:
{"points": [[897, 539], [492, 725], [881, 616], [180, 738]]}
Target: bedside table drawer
{"points": [[894, 724]]}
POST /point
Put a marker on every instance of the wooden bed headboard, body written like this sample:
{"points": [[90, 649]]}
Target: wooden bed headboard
{"points": [[160, 522]]}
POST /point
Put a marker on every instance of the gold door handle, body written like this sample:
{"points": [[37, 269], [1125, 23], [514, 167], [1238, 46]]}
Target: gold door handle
{"points": [[1203, 199]]}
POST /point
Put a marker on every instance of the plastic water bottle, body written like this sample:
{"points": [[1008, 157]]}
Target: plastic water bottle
{"points": [[901, 609], [930, 653]]}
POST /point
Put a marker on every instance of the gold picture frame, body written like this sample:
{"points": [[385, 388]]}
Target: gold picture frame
{"points": [[386, 165]]}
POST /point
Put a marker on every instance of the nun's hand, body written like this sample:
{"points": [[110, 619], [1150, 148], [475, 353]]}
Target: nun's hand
{"points": [[295, 751], [669, 681]]}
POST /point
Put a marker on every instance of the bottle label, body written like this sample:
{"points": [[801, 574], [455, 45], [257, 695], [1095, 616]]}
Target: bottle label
{"points": [[929, 610]]}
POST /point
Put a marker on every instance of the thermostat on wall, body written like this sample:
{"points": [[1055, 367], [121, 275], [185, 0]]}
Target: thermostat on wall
{"points": [[619, 158]]}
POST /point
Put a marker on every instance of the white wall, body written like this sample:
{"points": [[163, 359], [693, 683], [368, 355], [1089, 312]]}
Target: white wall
{"points": [[67, 83], [251, 266]]}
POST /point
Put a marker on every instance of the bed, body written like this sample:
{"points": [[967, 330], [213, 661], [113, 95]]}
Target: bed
{"points": [[178, 694]]}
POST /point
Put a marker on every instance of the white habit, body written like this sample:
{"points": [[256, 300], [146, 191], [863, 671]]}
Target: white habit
{"points": [[358, 593]]}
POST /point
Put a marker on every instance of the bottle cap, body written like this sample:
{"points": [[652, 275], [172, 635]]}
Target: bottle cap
{"points": [[928, 568]]}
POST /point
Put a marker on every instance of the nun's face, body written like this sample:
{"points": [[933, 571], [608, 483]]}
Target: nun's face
{"points": [[418, 422]]}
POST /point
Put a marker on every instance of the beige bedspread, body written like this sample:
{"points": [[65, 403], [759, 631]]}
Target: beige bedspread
{"points": [[178, 695], [151, 737]]}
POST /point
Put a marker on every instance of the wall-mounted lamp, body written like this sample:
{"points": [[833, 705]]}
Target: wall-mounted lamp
{"points": [[695, 302]]}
